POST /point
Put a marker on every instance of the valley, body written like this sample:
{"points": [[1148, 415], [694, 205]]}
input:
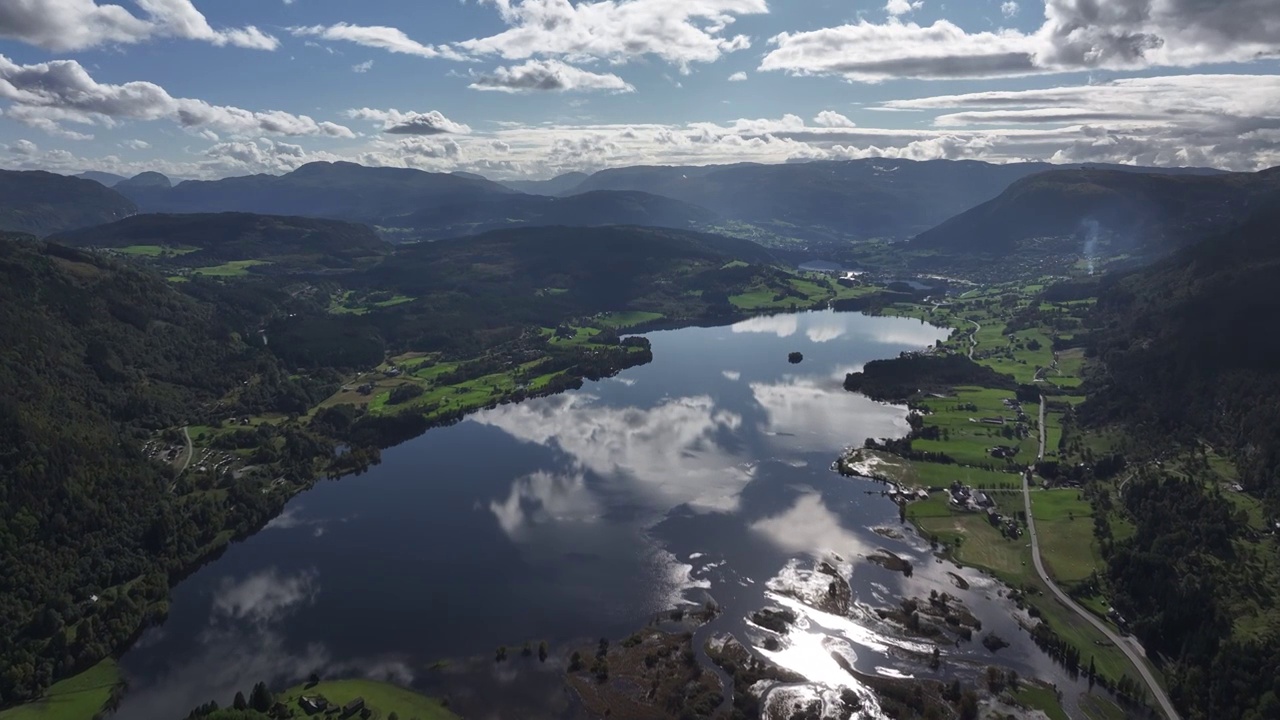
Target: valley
{"points": [[221, 363]]}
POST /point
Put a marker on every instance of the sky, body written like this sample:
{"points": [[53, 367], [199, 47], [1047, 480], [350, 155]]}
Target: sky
{"points": [[535, 88]]}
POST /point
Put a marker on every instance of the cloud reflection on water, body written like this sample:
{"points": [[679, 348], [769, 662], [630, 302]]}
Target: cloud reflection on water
{"points": [[668, 455]]}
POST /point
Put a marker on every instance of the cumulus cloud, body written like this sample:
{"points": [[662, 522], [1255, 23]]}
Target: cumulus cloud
{"points": [[549, 76], [1076, 35], [902, 7], [375, 36], [1225, 121], [411, 123], [363, 67], [738, 77], [830, 118], [136, 144], [22, 148], [62, 25], [45, 95], [869, 52], [1009, 9], [680, 32]]}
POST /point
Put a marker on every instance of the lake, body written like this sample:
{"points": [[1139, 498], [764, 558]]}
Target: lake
{"points": [[705, 474]]}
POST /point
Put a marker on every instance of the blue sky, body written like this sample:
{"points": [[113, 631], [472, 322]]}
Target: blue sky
{"points": [[516, 88]]}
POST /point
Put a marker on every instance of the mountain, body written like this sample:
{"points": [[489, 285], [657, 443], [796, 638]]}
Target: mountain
{"points": [[97, 356], [41, 203], [105, 178], [560, 185], [831, 200], [1131, 212], [1185, 351], [147, 179], [601, 207], [200, 240], [341, 190], [1191, 322]]}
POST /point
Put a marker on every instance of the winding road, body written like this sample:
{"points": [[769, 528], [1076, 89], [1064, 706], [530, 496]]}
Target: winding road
{"points": [[1129, 647], [973, 339]]}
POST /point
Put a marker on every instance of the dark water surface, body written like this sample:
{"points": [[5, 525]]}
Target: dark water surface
{"points": [[575, 516]]}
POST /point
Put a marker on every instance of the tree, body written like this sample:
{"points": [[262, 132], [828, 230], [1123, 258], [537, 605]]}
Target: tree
{"points": [[542, 651], [239, 703], [260, 698]]}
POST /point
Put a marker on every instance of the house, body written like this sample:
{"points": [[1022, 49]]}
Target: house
{"points": [[983, 500], [993, 517], [312, 704], [992, 420], [353, 707]]}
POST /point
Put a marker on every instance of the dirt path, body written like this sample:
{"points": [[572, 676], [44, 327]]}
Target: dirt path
{"points": [[973, 339], [190, 451]]}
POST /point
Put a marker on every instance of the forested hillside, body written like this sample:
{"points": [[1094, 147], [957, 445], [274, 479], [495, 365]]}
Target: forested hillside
{"points": [[1119, 211], [213, 239], [41, 203], [1187, 354], [97, 357], [603, 207]]}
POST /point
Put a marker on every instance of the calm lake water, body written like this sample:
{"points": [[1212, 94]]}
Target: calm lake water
{"points": [[703, 474]]}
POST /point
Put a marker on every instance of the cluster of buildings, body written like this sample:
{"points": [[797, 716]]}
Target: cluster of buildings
{"points": [[966, 498], [160, 452]]}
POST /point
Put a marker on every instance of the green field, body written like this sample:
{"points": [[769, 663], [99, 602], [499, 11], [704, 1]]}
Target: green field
{"points": [[155, 251], [627, 318], [235, 268], [79, 697], [1064, 523], [965, 437], [381, 698]]}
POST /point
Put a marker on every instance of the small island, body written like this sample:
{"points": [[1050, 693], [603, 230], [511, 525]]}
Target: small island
{"points": [[795, 358]]}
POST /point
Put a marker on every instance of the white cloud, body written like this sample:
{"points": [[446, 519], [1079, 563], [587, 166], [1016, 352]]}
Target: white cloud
{"points": [[375, 36], [832, 119], [395, 122], [22, 148], [738, 77], [661, 457], [1076, 35], [549, 75], [902, 7], [136, 144], [680, 32], [363, 67], [1226, 121], [1009, 9], [45, 95], [62, 25], [868, 52]]}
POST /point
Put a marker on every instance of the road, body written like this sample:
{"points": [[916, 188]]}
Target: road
{"points": [[1129, 647], [973, 339], [190, 451]]}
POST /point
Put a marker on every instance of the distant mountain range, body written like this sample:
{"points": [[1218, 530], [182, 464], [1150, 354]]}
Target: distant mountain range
{"points": [[1130, 212], [590, 209], [566, 184], [343, 191], [104, 178], [826, 202], [41, 203]]}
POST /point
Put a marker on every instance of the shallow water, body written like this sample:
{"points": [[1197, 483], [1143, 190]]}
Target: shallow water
{"points": [[703, 474]]}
